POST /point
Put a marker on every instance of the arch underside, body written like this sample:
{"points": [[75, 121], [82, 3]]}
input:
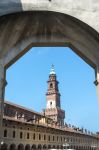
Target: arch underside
{"points": [[21, 31]]}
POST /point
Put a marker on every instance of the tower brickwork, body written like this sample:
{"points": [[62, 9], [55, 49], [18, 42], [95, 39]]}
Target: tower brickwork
{"points": [[53, 107]]}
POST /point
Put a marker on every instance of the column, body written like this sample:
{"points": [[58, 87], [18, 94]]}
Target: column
{"points": [[2, 88], [97, 82]]}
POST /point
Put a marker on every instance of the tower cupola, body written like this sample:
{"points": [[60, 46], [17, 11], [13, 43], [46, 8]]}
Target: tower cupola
{"points": [[52, 72]]}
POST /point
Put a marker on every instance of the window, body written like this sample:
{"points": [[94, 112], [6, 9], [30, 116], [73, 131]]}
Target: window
{"points": [[27, 135], [53, 138], [44, 137], [34, 136], [39, 136], [64, 139], [13, 134], [21, 135], [49, 138], [50, 103], [51, 85], [5, 133]]}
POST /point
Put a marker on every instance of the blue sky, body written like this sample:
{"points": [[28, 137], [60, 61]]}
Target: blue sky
{"points": [[27, 84]]}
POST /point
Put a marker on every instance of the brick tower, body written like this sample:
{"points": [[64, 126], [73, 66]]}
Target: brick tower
{"points": [[53, 107]]}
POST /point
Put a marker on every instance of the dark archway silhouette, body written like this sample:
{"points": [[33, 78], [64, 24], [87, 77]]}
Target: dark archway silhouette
{"points": [[20, 147], [4, 146], [27, 147], [44, 147], [33, 147], [57, 146], [53, 146], [49, 146], [12, 147], [61, 147], [39, 147]]}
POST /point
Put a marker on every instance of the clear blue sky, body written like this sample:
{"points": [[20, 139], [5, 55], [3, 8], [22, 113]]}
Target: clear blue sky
{"points": [[27, 84]]}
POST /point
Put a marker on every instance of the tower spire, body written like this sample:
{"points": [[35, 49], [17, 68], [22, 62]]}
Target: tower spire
{"points": [[52, 70]]}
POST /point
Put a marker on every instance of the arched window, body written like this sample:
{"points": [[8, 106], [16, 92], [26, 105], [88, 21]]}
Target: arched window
{"points": [[5, 133], [39, 136], [28, 135], [44, 137], [53, 138], [33, 136], [21, 135], [13, 134], [51, 85], [49, 138]]}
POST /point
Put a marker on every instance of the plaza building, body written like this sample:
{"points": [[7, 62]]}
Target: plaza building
{"points": [[25, 129]]}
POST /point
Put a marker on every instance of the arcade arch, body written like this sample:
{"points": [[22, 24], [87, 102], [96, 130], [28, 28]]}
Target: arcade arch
{"points": [[27, 147], [20, 147], [44, 147], [4, 147], [12, 147], [39, 147], [33, 147]]}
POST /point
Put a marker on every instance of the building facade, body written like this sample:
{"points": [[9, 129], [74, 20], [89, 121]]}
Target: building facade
{"points": [[25, 129]]}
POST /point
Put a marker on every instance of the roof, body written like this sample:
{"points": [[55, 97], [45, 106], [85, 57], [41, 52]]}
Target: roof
{"points": [[26, 109]]}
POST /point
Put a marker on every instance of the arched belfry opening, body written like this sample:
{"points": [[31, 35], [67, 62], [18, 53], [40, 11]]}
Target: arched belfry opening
{"points": [[23, 30]]}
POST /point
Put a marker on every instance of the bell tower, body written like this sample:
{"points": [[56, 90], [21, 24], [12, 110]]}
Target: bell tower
{"points": [[53, 107]]}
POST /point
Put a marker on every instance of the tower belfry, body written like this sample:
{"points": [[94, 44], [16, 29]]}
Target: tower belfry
{"points": [[53, 107]]}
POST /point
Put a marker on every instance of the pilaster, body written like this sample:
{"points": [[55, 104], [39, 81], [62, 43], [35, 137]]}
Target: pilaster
{"points": [[97, 81], [2, 89]]}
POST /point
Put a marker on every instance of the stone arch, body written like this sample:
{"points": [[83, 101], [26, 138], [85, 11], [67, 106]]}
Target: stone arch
{"points": [[39, 147], [27, 147], [64, 31], [70, 24], [49, 146], [12, 147], [4, 146], [20, 147], [53, 146], [44, 146], [61, 147], [57, 146], [33, 147], [77, 147], [78, 10]]}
